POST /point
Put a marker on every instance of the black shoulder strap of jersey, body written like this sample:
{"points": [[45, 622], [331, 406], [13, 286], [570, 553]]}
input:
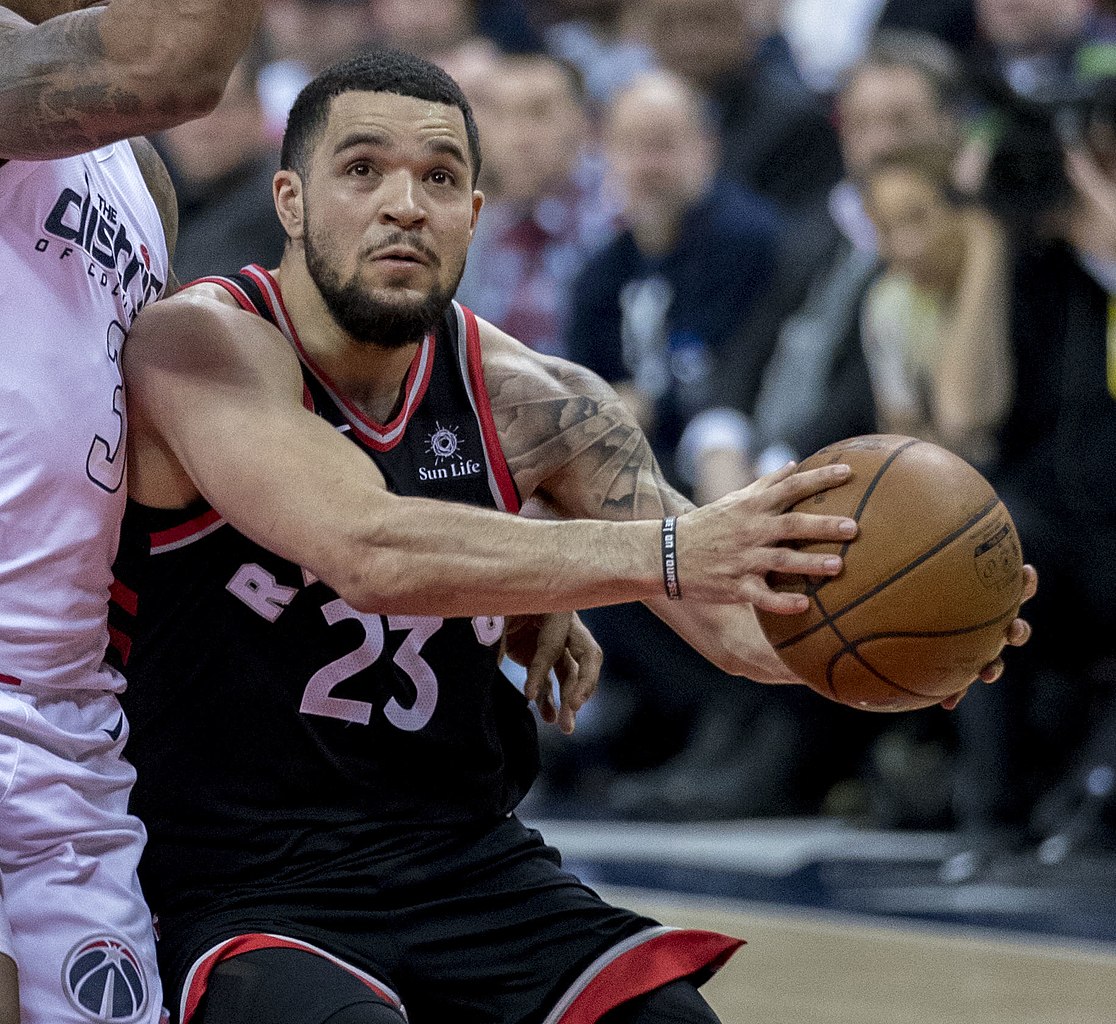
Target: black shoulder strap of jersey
{"points": [[247, 293]]}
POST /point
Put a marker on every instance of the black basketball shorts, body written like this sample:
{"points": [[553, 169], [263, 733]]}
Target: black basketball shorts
{"points": [[504, 936]]}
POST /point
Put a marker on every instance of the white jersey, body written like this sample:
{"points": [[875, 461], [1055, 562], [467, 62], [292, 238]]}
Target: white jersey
{"points": [[82, 250]]}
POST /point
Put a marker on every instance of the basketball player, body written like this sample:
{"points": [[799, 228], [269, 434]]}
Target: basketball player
{"points": [[86, 228], [328, 756]]}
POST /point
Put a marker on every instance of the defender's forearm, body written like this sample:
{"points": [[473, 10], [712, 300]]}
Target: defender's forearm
{"points": [[84, 79]]}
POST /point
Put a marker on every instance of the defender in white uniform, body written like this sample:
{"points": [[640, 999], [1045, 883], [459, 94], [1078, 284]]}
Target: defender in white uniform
{"points": [[83, 248]]}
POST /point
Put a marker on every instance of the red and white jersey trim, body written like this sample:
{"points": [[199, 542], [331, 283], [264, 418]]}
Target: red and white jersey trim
{"points": [[638, 965], [179, 536], [378, 436], [198, 977]]}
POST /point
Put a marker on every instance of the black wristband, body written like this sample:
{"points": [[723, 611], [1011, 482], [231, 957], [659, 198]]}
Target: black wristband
{"points": [[670, 560]]}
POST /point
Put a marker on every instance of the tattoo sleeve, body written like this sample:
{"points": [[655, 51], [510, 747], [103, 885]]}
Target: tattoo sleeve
{"points": [[56, 93], [572, 444], [86, 78]]}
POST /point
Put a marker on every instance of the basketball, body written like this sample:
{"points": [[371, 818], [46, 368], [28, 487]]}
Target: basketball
{"points": [[930, 583]]}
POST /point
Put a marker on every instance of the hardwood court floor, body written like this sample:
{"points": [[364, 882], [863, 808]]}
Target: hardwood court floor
{"points": [[803, 969]]}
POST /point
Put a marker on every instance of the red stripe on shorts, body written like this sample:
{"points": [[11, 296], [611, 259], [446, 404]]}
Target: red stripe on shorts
{"points": [[198, 978], [664, 956]]}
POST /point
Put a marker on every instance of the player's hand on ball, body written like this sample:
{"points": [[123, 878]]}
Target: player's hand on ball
{"points": [[1016, 635], [560, 642], [726, 549]]}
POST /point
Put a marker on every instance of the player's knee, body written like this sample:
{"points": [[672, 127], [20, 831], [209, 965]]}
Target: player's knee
{"points": [[367, 1013], [678, 1002], [289, 986]]}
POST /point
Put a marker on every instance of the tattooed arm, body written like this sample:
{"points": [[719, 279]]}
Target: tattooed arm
{"points": [[89, 77], [573, 447]]}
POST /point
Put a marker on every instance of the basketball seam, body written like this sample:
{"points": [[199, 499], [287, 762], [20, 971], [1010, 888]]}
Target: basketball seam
{"points": [[872, 484], [828, 619], [852, 650]]}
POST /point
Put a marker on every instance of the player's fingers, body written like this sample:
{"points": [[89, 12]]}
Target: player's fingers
{"points": [[545, 703], [550, 645], [758, 593], [797, 486], [769, 480], [1019, 632], [574, 692], [992, 671], [801, 563], [584, 650], [806, 526], [1030, 582], [951, 702]]}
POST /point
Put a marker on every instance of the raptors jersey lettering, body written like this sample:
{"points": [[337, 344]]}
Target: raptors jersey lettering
{"points": [[392, 727], [81, 252]]}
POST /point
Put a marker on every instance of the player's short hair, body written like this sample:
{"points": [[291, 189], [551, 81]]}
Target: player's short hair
{"points": [[378, 70]]}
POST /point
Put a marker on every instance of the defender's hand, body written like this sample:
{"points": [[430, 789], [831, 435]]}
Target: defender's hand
{"points": [[561, 642], [726, 549]]}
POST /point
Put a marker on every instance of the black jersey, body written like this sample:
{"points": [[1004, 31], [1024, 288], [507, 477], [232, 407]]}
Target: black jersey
{"points": [[277, 732]]}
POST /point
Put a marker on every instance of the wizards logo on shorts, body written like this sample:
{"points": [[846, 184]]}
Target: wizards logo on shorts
{"points": [[104, 979]]}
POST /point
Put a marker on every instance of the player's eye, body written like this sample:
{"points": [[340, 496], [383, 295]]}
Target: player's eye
{"points": [[442, 177], [360, 169]]}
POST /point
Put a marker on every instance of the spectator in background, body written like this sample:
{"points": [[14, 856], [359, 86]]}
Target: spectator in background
{"points": [[1031, 44], [934, 324], [595, 36], [775, 135], [306, 36], [547, 213], [449, 32], [952, 21], [650, 313], [794, 379], [1020, 780], [222, 166], [796, 370]]}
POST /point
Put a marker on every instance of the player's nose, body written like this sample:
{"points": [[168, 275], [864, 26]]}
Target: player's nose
{"points": [[401, 200]]}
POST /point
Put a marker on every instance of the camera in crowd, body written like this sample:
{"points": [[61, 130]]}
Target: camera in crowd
{"points": [[1025, 181]]}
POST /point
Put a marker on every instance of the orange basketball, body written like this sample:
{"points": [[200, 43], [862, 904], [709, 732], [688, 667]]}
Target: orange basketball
{"points": [[929, 586]]}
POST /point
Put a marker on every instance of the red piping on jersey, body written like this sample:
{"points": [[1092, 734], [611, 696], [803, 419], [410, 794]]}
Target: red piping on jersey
{"points": [[124, 596], [198, 978], [663, 958], [184, 531], [231, 287], [246, 303], [122, 642], [10, 680], [491, 438], [374, 433]]}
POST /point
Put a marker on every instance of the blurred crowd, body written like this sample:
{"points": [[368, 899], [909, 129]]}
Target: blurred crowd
{"points": [[770, 225]]}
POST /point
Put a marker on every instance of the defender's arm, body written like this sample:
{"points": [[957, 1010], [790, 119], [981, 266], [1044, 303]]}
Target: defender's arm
{"points": [[90, 77]]}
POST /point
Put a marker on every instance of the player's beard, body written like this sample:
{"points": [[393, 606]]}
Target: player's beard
{"points": [[367, 319]]}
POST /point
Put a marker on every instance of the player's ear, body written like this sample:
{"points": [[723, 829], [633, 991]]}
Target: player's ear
{"points": [[478, 202], [287, 192]]}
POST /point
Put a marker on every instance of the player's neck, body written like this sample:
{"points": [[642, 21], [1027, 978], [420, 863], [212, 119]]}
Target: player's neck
{"points": [[370, 376]]}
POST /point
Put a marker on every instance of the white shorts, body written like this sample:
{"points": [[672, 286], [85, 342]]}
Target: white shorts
{"points": [[80, 931]]}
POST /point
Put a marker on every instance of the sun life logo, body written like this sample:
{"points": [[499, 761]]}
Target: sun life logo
{"points": [[104, 979], [442, 443]]}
